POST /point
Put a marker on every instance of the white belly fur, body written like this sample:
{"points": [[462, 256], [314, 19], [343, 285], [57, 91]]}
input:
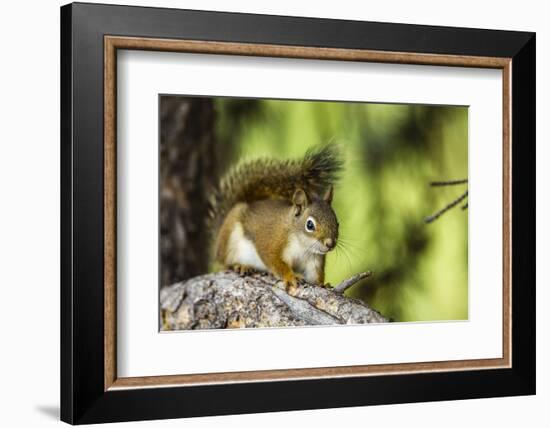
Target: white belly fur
{"points": [[242, 250], [305, 264]]}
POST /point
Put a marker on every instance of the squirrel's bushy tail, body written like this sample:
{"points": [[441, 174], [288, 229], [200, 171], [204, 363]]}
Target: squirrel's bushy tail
{"points": [[278, 179]]}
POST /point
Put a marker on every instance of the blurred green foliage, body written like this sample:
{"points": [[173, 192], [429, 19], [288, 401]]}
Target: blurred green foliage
{"points": [[392, 153]]}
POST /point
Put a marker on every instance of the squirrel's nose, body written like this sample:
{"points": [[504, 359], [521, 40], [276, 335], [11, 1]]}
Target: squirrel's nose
{"points": [[330, 243]]}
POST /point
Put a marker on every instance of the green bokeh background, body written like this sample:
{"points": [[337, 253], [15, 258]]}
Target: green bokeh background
{"points": [[392, 152]]}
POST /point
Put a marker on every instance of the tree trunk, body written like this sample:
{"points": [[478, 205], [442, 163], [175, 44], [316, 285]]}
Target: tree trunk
{"points": [[229, 300], [188, 169]]}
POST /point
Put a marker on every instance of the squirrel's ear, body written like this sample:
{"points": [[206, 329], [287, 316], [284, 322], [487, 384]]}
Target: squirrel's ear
{"points": [[327, 197], [300, 201]]}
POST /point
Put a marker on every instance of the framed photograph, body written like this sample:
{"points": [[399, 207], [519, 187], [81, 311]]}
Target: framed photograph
{"points": [[266, 213]]}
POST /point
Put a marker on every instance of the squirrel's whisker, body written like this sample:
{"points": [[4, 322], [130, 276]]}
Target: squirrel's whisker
{"points": [[343, 246], [345, 255], [352, 246]]}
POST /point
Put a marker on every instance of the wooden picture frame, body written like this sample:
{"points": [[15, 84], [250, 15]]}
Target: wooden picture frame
{"points": [[91, 391]]}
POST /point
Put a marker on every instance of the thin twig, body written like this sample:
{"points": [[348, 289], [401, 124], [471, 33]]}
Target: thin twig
{"points": [[446, 208], [347, 283], [449, 182]]}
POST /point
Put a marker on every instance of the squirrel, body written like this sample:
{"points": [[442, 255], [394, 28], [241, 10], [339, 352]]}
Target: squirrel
{"points": [[276, 216]]}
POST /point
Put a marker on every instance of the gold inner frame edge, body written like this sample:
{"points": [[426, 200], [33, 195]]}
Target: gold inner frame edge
{"points": [[113, 43]]}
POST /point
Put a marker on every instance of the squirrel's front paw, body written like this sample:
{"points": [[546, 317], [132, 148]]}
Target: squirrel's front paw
{"points": [[291, 284]]}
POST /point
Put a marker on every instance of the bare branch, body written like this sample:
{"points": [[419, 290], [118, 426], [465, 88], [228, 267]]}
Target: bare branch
{"points": [[446, 208], [229, 300], [344, 285], [448, 182]]}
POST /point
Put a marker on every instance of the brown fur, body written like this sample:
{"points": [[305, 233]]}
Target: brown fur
{"points": [[265, 211]]}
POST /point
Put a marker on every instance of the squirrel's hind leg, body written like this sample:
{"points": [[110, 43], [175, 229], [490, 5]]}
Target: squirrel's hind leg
{"points": [[241, 269]]}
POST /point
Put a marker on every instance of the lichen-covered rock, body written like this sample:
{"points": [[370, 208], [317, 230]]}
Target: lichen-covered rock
{"points": [[229, 300]]}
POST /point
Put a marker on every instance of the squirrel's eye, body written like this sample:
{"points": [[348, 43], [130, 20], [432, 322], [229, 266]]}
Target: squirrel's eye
{"points": [[310, 225]]}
